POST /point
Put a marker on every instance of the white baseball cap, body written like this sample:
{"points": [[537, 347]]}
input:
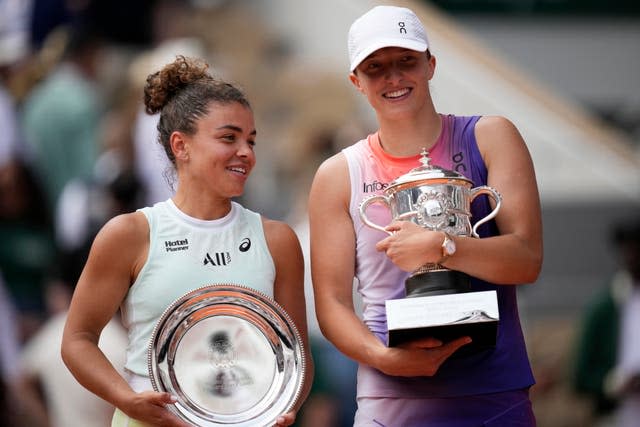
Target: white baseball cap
{"points": [[385, 26]]}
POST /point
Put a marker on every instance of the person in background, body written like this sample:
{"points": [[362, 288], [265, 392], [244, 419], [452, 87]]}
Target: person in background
{"points": [[607, 352], [61, 114], [10, 369], [29, 250], [207, 129], [391, 64], [51, 394]]}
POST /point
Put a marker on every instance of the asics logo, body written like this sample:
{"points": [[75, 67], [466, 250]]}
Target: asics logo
{"points": [[245, 244]]}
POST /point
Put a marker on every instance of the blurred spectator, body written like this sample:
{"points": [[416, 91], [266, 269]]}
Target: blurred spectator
{"points": [[61, 115], [86, 205], [9, 364], [607, 367], [133, 18], [332, 401], [28, 250], [9, 144], [13, 49], [45, 16], [14, 29], [51, 395]]}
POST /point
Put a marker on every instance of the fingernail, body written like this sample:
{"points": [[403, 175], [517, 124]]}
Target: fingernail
{"points": [[174, 398]]}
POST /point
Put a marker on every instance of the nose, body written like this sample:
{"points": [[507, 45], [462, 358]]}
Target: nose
{"points": [[393, 75], [245, 149]]}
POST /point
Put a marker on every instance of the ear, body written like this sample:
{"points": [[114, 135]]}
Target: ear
{"points": [[355, 80], [179, 146], [432, 67]]}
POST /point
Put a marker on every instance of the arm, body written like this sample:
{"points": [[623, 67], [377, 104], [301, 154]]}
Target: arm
{"points": [[514, 256], [117, 255], [332, 267], [289, 293]]}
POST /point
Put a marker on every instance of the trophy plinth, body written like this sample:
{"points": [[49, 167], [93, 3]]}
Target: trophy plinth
{"points": [[437, 282], [445, 317], [439, 302]]}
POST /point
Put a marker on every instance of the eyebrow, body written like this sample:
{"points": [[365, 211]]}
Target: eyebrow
{"points": [[235, 128]]}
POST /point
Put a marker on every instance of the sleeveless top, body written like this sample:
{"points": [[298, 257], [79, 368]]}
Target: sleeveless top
{"points": [[185, 254], [371, 170]]}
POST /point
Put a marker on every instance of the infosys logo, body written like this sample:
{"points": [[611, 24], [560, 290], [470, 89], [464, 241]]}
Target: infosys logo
{"points": [[374, 187]]}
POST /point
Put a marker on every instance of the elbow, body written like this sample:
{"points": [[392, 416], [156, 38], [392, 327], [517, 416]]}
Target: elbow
{"points": [[64, 353], [534, 267]]}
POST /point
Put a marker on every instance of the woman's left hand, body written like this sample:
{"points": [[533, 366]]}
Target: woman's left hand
{"points": [[411, 246]]}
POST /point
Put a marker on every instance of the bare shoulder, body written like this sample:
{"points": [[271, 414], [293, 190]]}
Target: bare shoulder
{"points": [[127, 227], [124, 236], [331, 182], [495, 126], [279, 234], [498, 136], [332, 166]]}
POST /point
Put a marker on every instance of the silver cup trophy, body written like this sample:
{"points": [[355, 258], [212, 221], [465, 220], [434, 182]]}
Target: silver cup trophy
{"points": [[439, 301]]}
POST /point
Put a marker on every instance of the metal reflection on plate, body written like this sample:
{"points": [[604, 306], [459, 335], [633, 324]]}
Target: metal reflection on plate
{"points": [[231, 355]]}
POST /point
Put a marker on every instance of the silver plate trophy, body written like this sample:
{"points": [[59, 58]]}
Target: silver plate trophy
{"points": [[231, 355], [437, 199]]}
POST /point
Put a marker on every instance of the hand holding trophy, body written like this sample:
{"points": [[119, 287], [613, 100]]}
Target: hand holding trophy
{"points": [[439, 302]]}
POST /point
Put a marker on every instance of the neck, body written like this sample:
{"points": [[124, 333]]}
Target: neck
{"points": [[201, 205], [404, 137]]}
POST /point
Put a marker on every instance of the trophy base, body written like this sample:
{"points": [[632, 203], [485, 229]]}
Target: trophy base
{"points": [[437, 282], [445, 317]]}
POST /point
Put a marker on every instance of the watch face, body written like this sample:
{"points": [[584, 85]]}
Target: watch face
{"points": [[449, 246]]}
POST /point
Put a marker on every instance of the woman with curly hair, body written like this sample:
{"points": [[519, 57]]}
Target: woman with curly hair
{"points": [[207, 129]]}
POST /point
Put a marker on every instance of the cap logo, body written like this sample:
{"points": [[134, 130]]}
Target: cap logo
{"points": [[403, 30]]}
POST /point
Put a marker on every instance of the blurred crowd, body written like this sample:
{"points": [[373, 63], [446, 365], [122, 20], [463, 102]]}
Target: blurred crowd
{"points": [[77, 149]]}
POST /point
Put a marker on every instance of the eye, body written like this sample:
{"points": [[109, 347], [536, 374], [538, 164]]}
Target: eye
{"points": [[408, 59], [372, 68]]}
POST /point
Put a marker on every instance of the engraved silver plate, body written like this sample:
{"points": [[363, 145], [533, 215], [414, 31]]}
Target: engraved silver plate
{"points": [[231, 355]]}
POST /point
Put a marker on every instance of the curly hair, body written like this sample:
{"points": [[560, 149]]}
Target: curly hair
{"points": [[183, 92]]}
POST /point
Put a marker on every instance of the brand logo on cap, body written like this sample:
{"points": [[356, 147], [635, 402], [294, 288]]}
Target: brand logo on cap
{"points": [[403, 30]]}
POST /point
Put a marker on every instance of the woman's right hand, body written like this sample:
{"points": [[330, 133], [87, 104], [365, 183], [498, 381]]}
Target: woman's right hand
{"points": [[150, 407], [418, 358]]}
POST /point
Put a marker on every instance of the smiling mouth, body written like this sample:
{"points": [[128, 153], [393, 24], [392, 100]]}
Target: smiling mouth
{"points": [[242, 171], [397, 93]]}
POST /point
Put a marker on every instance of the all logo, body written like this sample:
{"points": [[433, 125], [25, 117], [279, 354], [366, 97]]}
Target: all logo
{"points": [[217, 259]]}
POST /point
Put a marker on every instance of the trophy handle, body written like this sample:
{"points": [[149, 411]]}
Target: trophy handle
{"points": [[491, 192], [363, 208]]}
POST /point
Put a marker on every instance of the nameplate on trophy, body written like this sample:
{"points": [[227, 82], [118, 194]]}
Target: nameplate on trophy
{"points": [[444, 317]]}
